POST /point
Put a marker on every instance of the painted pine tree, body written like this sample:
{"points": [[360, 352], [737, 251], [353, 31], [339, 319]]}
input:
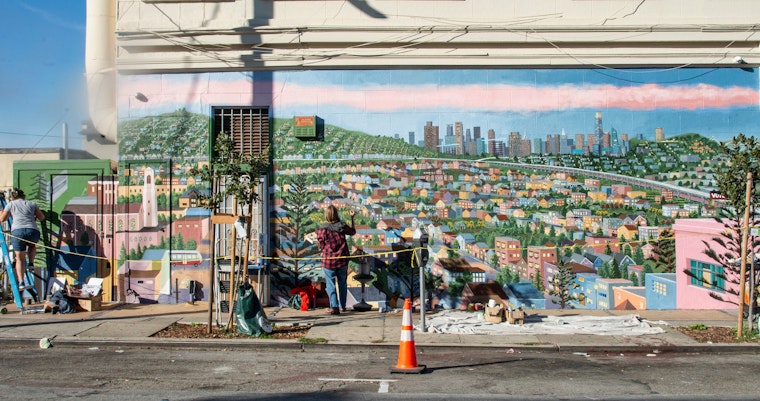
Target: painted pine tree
{"points": [[297, 257], [561, 285]]}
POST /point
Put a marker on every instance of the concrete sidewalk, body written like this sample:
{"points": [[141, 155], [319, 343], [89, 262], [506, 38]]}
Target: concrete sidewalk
{"points": [[137, 323]]}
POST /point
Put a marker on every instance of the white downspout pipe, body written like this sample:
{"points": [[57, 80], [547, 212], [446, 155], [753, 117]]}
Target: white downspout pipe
{"points": [[100, 66]]}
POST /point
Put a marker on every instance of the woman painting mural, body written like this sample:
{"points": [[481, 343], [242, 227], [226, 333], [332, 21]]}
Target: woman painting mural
{"points": [[24, 231], [331, 237]]}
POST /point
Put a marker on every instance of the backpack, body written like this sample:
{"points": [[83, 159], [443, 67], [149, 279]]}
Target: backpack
{"points": [[295, 302]]}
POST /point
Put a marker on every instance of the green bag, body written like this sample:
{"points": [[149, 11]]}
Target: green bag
{"points": [[250, 317]]}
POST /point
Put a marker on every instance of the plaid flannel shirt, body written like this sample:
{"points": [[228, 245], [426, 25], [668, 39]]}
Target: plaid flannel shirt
{"points": [[334, 246]]}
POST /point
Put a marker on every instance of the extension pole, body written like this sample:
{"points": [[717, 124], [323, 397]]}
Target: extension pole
{"points": [[211, 278], [423, 296], [233, 267], [212, 267], [743, 268]]}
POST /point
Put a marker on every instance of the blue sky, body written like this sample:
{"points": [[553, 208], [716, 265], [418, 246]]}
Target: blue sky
{"points": [[42, 84], [42, 81]]}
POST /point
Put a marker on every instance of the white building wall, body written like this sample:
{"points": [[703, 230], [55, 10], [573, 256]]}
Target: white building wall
{"points": [[279, 34]]}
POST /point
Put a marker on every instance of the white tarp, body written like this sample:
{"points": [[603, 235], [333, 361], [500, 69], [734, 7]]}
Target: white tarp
{"points": [[460, 322]]}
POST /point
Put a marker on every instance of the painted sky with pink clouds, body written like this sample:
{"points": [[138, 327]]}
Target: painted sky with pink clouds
{"points": [[714, 102]]}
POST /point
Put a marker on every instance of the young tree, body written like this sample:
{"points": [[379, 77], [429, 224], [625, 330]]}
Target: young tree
{"points": [[562, 283], [239, 173], [231, 174], [743, 158]]}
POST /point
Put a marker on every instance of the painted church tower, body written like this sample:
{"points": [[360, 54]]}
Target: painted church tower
{"points": [[149, 208]]}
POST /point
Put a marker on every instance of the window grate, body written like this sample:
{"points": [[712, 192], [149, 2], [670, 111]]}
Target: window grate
{"points": [[248, 126]]}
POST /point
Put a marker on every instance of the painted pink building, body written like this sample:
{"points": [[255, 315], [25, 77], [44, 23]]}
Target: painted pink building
{"points": [[691, 293]]}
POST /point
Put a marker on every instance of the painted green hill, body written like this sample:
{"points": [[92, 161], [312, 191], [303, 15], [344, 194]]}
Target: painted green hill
{"points": [[179, 134], [339, 143]]}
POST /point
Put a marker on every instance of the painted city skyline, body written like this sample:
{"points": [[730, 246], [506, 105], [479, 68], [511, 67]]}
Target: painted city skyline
{"points": [[716, 103]]}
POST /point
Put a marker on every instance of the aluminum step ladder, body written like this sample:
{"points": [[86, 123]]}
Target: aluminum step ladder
{"points": [[10, 270]]}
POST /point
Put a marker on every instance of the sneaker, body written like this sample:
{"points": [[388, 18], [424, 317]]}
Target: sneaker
{"points": [[23, 286]]}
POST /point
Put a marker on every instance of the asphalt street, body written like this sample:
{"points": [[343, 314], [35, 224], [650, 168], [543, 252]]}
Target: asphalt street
{"points": [[116, 372]]}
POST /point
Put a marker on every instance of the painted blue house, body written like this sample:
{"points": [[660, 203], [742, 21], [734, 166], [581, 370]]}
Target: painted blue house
{"points": [[584, 293], [661, 291], [524, 295], [393, 236], [605, 297]]}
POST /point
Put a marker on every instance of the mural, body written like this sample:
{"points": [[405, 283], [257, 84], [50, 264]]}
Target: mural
{"points": [[75, 196], [497, 165]]}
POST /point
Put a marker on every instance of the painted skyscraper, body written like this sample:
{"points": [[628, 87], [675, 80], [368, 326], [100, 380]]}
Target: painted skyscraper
{"points": [[599, 132], [430, 136]]}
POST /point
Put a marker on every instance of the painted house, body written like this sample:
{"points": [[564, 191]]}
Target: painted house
{"points": [[584, 291], [524, 295], [550, 271], [691, 292], [483, 292], [449, 268], [508, 249], [537, 257], [605, 296], [660, 291], [630, 298]]}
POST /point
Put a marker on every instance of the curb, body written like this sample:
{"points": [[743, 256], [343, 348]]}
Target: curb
{"points": [[296, 345]]}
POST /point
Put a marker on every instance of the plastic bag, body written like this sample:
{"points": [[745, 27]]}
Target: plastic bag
{"points": [[250, 317]]}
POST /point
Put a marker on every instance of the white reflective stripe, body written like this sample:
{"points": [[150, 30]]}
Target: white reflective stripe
{"points": [[384, 383], [406, 320], [407, 335]]}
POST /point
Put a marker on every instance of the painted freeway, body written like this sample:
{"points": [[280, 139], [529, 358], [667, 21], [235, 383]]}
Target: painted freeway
{"points": [[686, 193]]}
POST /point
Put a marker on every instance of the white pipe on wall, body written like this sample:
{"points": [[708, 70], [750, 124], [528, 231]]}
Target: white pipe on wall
{"points": [[100, 59]]}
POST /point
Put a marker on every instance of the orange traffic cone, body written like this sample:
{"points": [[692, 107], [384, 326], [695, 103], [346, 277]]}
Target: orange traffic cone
{"points": [[407, 355]]}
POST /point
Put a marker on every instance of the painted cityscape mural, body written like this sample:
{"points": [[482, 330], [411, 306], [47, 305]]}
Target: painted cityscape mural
{"points": [[515, 174]]}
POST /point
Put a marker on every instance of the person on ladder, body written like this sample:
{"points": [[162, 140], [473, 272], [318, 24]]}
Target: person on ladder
{"points": [[24, 231]]}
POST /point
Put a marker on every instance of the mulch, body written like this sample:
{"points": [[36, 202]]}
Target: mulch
{"points": [[181, 330]]}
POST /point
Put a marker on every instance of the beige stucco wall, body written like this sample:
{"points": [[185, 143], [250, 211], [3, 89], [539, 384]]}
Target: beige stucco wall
{"points": [[9, 155]]}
